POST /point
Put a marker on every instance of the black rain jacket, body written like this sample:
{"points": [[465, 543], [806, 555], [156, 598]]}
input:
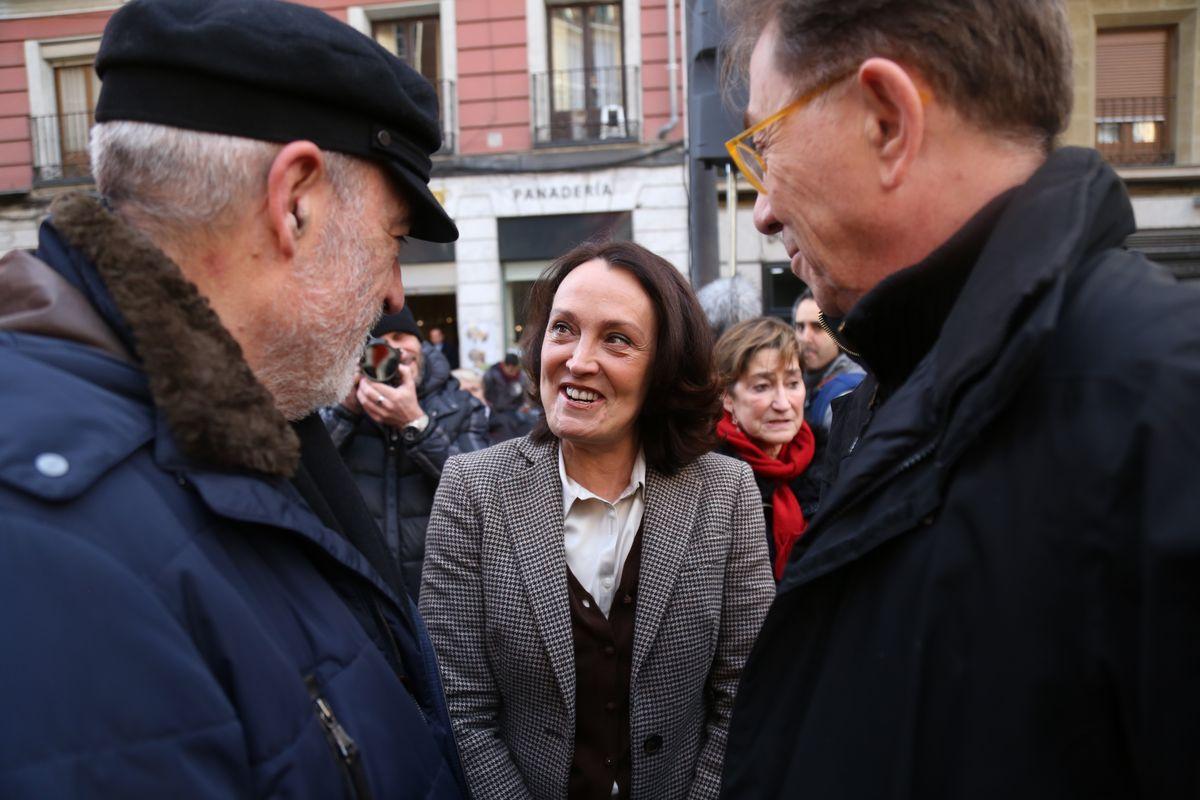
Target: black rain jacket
{"points": [[1000, 596]]}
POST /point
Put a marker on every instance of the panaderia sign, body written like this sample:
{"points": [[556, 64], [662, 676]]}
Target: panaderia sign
{"points": [[565, 190]]}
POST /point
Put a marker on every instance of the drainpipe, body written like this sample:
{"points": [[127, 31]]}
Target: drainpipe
{"points": [[672, 73]]}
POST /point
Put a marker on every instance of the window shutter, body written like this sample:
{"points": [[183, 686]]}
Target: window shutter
{"points": [[1132, 63]]}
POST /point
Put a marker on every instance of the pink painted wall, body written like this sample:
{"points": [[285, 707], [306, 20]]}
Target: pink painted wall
{"points": [[493, 78], [656, 101]]}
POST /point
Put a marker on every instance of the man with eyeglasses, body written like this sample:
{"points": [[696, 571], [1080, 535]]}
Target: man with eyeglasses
{"points": [[1000, 594]]}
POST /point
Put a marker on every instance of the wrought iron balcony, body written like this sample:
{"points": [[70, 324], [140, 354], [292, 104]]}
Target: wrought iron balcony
{"points": [[1135, 130], [585, 106], [60, 146]]}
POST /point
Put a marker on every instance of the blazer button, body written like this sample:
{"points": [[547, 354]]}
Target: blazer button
{"points": [[652, 744]]}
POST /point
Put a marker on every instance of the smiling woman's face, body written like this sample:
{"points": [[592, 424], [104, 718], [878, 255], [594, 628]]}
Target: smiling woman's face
{"points": [[596, 356]]}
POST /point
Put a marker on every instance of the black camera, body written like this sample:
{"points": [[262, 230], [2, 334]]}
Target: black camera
{"points": [[380, 362]]}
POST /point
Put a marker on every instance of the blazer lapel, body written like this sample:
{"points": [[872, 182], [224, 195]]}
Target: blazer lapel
{"points": [[666, 534], [532, 504]]}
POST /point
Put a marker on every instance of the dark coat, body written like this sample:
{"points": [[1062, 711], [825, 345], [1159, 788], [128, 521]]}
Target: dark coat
{"points": [[398, 471], [177, 622], [1000, 595]]}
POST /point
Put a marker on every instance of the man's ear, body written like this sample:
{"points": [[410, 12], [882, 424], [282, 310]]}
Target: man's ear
{"points": [[895, 117], [295, 194]]}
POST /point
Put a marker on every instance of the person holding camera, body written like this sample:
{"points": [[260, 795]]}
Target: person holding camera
{"points": [[405, 416]]}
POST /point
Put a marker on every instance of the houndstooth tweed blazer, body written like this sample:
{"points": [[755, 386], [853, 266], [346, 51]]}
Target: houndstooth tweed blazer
{"points": [[494, 595]]}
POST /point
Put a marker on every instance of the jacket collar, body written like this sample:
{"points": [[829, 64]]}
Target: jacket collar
{"points": [[216, 410], [897, 322], [36, 299]]}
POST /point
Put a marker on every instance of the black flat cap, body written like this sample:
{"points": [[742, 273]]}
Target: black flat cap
{"points": [[402, 321], [280, 72]]}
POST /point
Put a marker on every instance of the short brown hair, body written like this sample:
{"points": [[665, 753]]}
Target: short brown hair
{"points": [[682, 402], [737, 347], [1004, 65]]}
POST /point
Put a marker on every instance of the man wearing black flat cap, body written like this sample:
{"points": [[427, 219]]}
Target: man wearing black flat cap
{"points": [[195, 598]]}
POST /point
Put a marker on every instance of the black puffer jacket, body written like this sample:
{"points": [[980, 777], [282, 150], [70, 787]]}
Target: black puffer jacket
{"points": [[999, 596], [398, 472]]}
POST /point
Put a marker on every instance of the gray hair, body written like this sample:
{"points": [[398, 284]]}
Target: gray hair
{"points": [[728, 301], [182, 183], [1004, 65]]}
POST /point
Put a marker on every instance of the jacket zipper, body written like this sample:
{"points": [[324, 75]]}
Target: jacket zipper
{"points": [[834, 334], [870, 415], [343, 745]]}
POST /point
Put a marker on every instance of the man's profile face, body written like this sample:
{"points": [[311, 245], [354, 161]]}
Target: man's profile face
{"points": [[817, 348], [815, 172], [335, 294]]}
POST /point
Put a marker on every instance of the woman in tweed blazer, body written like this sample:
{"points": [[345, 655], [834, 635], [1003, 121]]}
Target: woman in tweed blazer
{"points": [[621, 355]]}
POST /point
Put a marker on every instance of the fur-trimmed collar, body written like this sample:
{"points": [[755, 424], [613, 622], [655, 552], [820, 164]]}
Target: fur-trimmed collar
{"points": [[217, 410]]}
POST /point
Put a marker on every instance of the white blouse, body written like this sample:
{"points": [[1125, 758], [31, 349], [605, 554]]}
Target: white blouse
{"points": [[598, 535]]}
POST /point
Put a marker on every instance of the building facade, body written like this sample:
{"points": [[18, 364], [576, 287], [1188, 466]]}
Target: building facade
{"points": [[558, 116], [564, 119]]}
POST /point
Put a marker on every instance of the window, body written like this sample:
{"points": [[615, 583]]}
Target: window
{"points": [[587, 83], [63, 89], [1134, 102], [77, 88], [423, 35], [415, 40]]}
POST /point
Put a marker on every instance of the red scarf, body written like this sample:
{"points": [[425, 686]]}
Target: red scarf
{"points": [[787, 518]]}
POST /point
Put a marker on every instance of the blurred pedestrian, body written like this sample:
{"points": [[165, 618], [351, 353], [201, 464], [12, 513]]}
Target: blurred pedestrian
{"points": [[195, 602], [593, 589], [506, 390], [829, 373], [448, 351], [472, 382], [758, 368], [395, 434], [998, 596]]}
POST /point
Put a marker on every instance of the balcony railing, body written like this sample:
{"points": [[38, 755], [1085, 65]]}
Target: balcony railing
{"points": [[1135, 130], [584, 106], [60, 146]]}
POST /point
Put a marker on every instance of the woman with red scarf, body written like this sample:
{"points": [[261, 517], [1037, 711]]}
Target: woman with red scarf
{"points": [[758, 365]]}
